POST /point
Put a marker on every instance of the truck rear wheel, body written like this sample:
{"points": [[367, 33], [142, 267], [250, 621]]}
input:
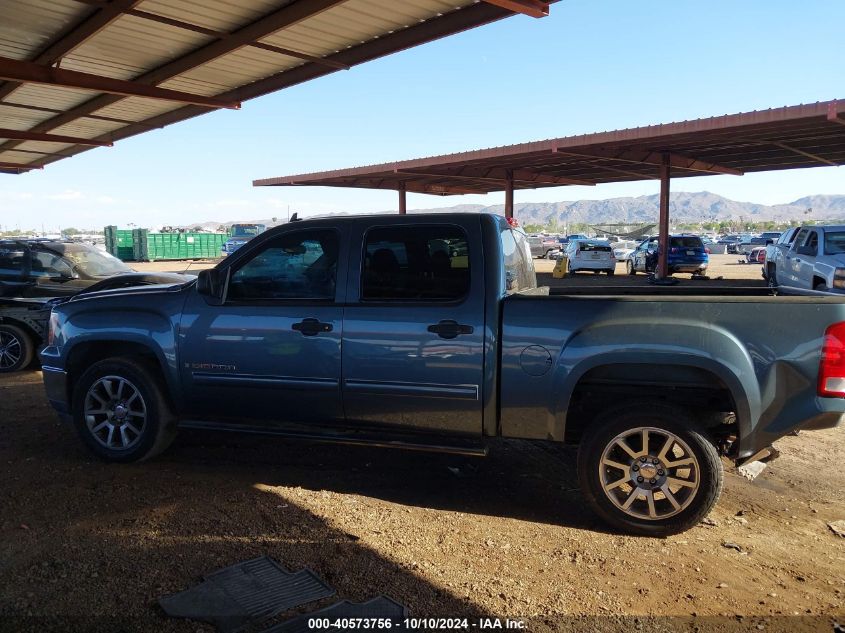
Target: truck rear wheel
{"points": [[16, 348], [646, 470], [629, 265], [120, 411]]}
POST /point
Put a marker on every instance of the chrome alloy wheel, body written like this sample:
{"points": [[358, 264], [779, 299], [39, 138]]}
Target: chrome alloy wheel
{"points": [[115, 412], [11, 350], [649, 473]]}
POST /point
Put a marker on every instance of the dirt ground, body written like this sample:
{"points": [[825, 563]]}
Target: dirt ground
{"points": [[90, 546]]}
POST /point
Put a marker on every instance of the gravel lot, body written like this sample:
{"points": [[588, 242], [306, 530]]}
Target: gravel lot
{"points": [[86, 545], [90, 546]]}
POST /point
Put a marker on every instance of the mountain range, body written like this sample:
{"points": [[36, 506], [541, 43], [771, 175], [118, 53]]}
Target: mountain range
{"points": [[701, 206]]}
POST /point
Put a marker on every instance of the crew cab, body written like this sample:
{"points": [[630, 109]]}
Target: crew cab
{"points": [[429, 332], [811, 258]]}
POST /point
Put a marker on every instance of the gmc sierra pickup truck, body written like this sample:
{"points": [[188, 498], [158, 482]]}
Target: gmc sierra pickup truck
{"points": [[429, 332]]}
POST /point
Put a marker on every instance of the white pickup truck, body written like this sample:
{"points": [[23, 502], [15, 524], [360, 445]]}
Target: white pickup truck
{"points": [[808, 258]]}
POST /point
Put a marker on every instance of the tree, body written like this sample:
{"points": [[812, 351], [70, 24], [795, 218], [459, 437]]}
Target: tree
{"points": [[70, 231]]}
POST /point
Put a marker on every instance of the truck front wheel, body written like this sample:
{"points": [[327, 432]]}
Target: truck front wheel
{"points": [[120, 411], [646, 470]]}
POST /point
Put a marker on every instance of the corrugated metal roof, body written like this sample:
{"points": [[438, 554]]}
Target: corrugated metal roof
{"points": [[792, 137], [205, 48]]}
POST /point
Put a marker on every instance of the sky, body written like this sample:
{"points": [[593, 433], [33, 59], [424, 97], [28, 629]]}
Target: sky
{"points": [[592, 65]]}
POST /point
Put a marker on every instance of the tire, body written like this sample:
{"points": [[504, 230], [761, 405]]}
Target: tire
{"points": [[690, 503], [16, 348], [610, 273], [114, 433], [772, 278], [821, 287], [629, 266]]}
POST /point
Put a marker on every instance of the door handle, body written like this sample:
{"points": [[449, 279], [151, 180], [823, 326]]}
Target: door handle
{"points": [[311, 327], [450, 329]]}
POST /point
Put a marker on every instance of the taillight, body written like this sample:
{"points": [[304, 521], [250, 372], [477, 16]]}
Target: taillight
{"points": [[706, 250], [674, 250], [832, 364]]}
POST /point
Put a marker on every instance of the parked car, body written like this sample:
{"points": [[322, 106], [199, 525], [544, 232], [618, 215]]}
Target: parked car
{"points": [[756, 255], [241, 234], [687, 254], [542, 245], [731, 242], [386, 339], [53, 268], [593, 255], [750, 243], [815, 260], [623, 249], [771, 235]]}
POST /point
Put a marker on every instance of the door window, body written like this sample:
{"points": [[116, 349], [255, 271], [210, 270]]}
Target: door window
{"points": [[427, 263], [50, 265], [12, 259], [300, 265], [812, 243]]}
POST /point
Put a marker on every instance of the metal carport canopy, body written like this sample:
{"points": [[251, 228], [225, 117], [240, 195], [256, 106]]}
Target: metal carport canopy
{"points": [[791, 137], [77, 74]]}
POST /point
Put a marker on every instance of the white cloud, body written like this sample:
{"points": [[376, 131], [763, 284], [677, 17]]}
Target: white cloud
{"points": [[67, 194]]}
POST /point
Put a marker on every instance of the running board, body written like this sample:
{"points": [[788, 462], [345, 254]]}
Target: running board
{"points": [[467, 447]]}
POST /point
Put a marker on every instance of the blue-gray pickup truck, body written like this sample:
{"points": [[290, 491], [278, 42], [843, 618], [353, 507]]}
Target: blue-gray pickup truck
{"points": [[429, 332]]}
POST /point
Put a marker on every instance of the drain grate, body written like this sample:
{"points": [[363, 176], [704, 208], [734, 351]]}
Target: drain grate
{"points": [[250, 591]]}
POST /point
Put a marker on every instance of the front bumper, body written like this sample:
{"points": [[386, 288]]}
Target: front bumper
{"points": [[55, 384]]}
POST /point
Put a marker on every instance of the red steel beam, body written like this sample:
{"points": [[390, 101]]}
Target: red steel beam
{"points": [[403, 199], [19, 166], [533, 8], [833, 113], [649, 157], [29, 135], [801, 152], [83, 31], [499, 175], [220, 35], [663, 239], [270, 23], [29, 72]]}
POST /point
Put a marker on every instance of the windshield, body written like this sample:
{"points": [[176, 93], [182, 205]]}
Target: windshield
{"points": [[834, 243], [685, 242], [246, 230], [91, 261]]}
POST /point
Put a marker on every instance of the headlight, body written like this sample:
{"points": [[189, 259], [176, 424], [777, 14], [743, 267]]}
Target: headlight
{"points": [[55, 329], [839, 278]]}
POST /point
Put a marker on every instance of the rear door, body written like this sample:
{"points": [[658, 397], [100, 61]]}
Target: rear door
{"points": [[413, 337]]}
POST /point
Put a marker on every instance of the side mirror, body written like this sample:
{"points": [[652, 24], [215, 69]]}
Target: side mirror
{"points": [[210, 282]]}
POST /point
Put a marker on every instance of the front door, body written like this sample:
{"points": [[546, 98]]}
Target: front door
{"points": [[413, 339], [271, 351]]}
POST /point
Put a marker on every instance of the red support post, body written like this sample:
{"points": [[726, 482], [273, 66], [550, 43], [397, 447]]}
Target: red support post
{"points": [[663, 230], [509, 193], [403, 208]]}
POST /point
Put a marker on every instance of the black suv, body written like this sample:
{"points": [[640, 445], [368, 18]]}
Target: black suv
{"points": [[53, 268]]}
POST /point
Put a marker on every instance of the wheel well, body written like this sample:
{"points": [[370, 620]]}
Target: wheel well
{"points": [[698, 390], [818, 281], [26, 327], [85, 355]]}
